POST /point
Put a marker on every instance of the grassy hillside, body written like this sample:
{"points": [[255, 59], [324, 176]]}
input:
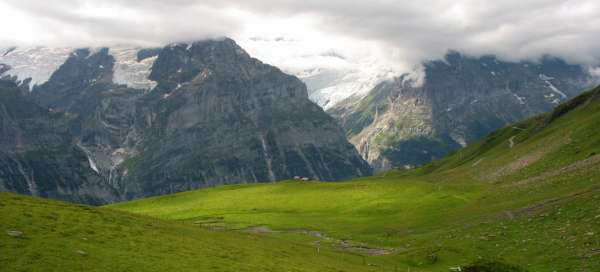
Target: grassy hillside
{"points": [[528, 194], [43, 235]]}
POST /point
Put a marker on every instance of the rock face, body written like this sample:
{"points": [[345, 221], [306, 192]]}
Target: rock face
{"points": [[215, 116], [219, 116], [38, 155], [412, 120]]}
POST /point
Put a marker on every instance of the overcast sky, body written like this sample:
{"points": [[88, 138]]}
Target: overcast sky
{"points": [[404, 32]]}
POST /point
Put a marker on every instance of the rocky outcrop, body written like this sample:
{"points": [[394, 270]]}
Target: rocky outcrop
{"points": [[216, 116], [416, 118], [38, 155]]}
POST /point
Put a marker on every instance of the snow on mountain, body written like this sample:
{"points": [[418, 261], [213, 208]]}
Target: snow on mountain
{"points": [[327, 87], [331, 75], [131, 72], [546, 80], [36, 63]]}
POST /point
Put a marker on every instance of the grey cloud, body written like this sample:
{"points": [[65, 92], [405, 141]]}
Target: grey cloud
{"points": [[513, 29], [132, 22], [414, 30]]}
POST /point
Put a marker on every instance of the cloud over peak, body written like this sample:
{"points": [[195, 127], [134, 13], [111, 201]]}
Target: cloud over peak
{"points": [[407, 31]]}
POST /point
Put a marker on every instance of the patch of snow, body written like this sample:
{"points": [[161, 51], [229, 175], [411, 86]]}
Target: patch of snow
{"points": [[545, 77], [37, 63], [546, 80], [522, 100], [556, 90], [129, 71]]}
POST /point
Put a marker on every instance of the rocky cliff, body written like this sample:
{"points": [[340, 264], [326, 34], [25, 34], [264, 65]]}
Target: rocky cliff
{"points": [[39, 156]]}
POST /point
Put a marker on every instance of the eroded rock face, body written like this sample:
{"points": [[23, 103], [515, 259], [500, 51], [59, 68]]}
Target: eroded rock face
{"points": [[39, 156], [216, 116], [460, 99]]}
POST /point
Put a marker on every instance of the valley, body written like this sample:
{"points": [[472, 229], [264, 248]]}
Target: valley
{"points": [[299, 136], [525, 198]]}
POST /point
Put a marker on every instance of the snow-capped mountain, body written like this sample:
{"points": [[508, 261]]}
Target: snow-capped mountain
{"points": [[188, 115], [38, 63], [331, 75]]}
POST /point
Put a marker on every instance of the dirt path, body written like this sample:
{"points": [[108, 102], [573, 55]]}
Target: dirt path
{"points": [[477, 162]]}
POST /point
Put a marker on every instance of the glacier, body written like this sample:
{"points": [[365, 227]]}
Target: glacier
{"points": [[37, 63], [131, 72]]}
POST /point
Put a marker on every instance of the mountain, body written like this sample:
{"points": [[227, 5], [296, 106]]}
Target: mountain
{"points": [[417, 118], [190, 115], [39, 156]]}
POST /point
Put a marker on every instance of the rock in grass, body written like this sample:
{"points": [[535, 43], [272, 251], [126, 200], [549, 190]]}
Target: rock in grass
{"points": [[81, 252], [14, 233]]}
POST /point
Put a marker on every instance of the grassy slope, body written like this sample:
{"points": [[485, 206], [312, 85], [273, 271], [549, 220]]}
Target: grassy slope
{"points": [[535, 203], [65, 237]]}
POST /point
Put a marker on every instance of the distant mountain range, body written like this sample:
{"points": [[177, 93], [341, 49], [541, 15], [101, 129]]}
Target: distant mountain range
{"points": [[161, 120]]}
